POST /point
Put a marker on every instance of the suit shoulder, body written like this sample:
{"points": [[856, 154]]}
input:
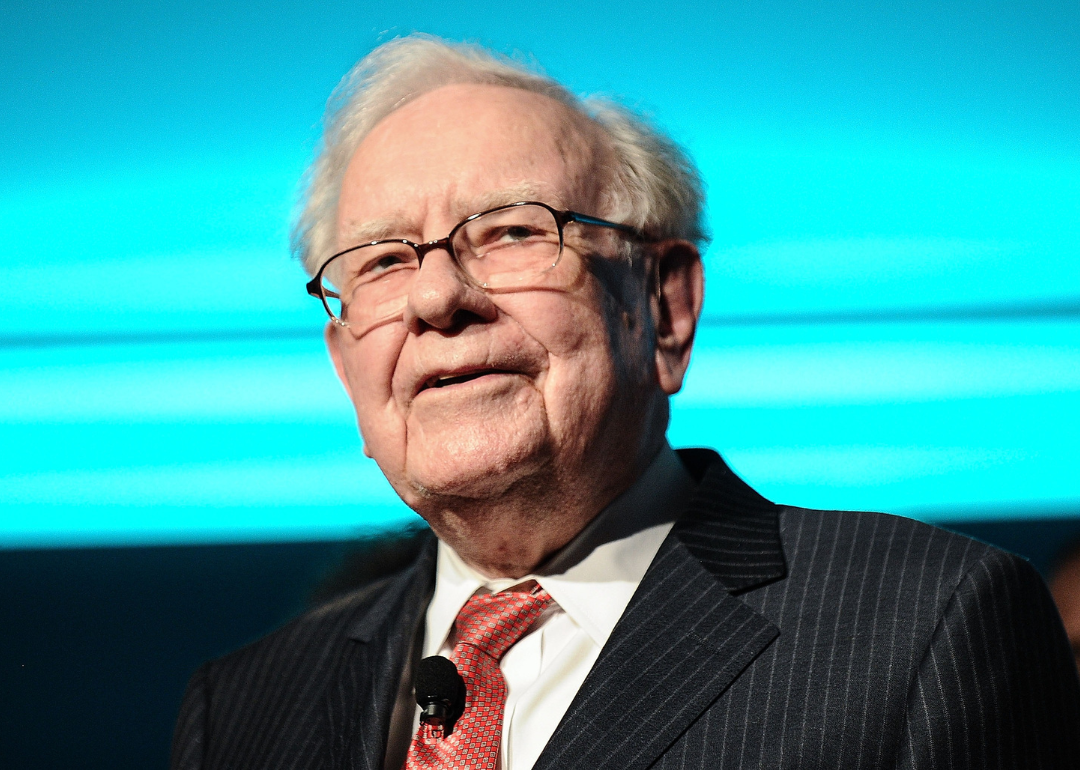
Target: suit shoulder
{"points": [[916, 539], [831, 546], [267, 700], [296, 648], [880, 586], [313, 633]]}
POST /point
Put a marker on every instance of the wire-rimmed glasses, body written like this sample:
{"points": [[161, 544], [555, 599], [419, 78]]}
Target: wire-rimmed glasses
{"points": [[506, 247]]}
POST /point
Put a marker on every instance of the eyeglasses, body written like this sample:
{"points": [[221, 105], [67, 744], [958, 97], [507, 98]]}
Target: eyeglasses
{"points": [[509, 247]]}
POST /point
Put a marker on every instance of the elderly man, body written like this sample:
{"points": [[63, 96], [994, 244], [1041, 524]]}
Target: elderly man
{"points": [[513, 281]]}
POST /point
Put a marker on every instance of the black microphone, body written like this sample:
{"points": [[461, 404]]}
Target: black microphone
{"points": [[440, 693]]}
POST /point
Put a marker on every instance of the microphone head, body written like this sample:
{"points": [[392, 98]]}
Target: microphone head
{"points": [[440, 691]]}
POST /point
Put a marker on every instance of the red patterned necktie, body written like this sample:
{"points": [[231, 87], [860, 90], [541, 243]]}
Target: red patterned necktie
{"points": [[487, 626]]}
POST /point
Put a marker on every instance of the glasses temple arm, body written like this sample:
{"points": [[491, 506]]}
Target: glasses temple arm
{"points": [[315, 289], [585, 219]]}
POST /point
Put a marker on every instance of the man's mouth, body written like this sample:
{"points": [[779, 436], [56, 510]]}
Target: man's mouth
{"points": [[444, 380]]}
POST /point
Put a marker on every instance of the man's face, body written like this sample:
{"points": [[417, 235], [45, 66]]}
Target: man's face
{"points": [[544, 385]]}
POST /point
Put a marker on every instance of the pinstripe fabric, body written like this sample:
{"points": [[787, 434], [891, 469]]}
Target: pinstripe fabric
{"points": [[900, 646], [315, 694], [761, 636]]}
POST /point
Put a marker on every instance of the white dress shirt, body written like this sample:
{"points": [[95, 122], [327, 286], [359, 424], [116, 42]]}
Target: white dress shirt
{"points": [[591, 581]]}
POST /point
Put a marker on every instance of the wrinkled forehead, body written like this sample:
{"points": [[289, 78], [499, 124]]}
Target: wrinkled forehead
{"points": [[477, 136]]}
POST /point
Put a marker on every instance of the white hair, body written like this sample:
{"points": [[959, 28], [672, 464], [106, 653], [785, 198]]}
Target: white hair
{"points": [[654, 186]]}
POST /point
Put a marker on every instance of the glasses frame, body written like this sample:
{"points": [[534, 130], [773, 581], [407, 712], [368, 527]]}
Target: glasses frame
{"points": [[562, 218]]}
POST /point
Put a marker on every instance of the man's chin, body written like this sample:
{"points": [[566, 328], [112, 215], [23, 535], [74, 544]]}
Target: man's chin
{"points": [[463, 474]]}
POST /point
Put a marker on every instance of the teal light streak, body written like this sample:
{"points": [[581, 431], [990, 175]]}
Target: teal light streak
{"points": [[859, 159]]}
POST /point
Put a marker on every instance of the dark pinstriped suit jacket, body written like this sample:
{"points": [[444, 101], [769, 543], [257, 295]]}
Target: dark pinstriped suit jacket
{"points": [[761, 636]]}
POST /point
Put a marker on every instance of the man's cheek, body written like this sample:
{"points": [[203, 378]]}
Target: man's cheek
{"points": [[371, 379], [384, 436], [577, 396]]}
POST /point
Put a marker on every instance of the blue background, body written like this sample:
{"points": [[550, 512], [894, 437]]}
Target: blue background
{"points": [[893, 312]]}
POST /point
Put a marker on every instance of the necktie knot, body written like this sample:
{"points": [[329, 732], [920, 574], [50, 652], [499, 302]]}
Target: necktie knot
{"points": [[494, 622]]}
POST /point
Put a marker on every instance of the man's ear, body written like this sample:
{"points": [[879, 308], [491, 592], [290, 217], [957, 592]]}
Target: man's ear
{"points": [[332, 335], [333, 346], [679, 281]]}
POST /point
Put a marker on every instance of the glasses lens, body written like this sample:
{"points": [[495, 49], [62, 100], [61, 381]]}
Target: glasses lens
{"points": [[369, 284], [508, 247]]}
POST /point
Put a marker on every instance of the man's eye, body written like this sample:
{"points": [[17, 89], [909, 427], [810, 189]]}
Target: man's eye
{"points": [[383, 263], [511, 234]]}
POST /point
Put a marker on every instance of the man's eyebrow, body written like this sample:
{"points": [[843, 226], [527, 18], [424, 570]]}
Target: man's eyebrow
{"points": [[375, 230], [526, 191], [399, 226]]}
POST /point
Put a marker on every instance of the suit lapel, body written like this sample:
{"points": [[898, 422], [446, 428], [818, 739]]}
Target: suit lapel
{"points": [[684, 637], [361, 698], [732, 530]]}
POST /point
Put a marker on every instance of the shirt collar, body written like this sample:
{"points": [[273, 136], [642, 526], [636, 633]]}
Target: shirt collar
{"points": [[594, 576]]}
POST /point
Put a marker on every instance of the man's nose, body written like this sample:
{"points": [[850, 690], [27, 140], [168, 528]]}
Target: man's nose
{"points": [[443, 297]]}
